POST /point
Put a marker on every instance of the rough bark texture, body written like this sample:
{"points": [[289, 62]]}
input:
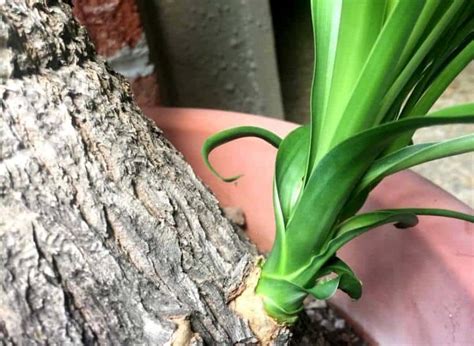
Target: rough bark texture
{"points": [[106, 235]]}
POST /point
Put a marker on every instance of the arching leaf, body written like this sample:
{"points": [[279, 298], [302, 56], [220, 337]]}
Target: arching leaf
{"points": [[330, 185], [290, 168], [402, 159], [226, 136]]}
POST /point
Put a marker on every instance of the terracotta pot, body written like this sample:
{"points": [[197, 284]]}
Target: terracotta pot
{"points": [[418, 283]]}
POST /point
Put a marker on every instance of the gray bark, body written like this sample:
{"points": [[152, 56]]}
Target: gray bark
{"points": [[106, 234]]}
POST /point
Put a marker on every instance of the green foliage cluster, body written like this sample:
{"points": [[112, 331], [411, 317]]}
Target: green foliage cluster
{"points": [[379, 67]]}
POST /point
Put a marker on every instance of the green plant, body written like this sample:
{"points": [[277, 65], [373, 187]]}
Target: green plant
{"points": [[379, 67]]}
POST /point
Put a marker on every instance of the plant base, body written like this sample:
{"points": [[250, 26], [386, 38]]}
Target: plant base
{"points": [[250, 307]]}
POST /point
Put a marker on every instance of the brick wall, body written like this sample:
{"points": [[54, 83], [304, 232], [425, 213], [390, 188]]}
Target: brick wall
{"points": [[116, 30]]}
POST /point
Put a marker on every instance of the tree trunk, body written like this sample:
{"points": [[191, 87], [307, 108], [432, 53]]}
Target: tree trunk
{"points": [[106, 235]]}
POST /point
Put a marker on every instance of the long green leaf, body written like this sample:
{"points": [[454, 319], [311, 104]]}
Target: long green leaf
{"points": [[325, 288], [437, 87], [402, 218], [349, 283], [326, 16], [419, 33], [402, 159], [290, 168], [349, 41], [460, 109], [441, 56], [445, 51], [435, 212], [449, 11], [378, 74], [347, 231], [226, 136], [283, 291], [278, 254], [360, 224], [333, 180]]}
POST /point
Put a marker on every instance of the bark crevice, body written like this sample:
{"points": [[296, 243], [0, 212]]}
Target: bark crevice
{"points": [[106, 234]]}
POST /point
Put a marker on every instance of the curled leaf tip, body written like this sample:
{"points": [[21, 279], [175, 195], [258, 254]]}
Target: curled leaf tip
{"points": [[405, 224], [205, 154], [232, 179], [229, 135]]}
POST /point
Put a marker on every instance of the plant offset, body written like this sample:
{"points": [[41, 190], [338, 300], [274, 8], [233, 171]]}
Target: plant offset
{"points": [[380, 65]]}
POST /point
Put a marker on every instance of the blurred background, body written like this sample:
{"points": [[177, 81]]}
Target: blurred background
{"points": [[252, 56]]}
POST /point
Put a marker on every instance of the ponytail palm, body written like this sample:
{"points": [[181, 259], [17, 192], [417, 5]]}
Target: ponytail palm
{"points": [[380, 65]]}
